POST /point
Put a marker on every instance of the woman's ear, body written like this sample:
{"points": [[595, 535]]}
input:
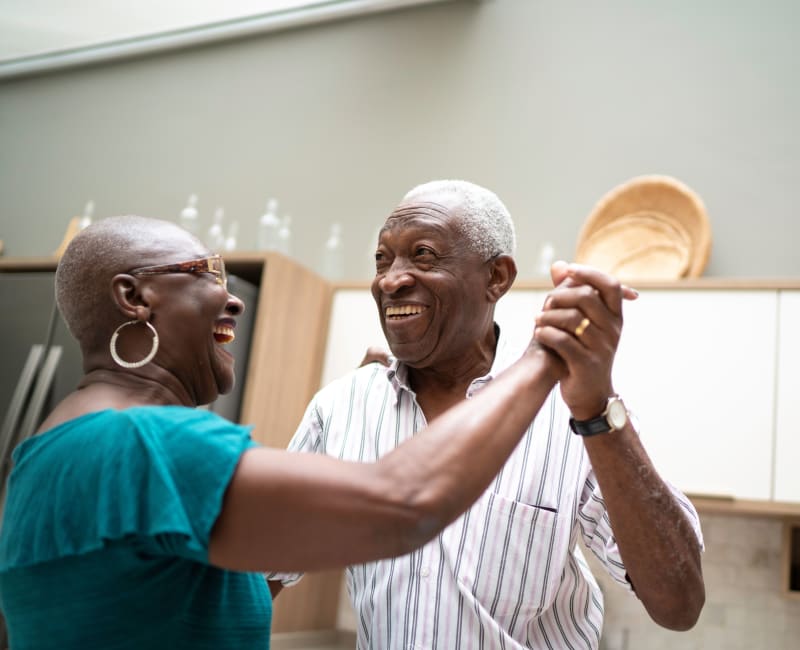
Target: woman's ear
{"points": [[503, 271], [127, 296]]}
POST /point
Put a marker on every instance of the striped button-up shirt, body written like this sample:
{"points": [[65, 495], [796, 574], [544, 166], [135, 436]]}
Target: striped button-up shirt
{"points": [[508, 573]]}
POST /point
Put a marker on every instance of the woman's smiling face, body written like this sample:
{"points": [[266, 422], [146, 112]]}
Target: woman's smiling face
{"points": [[194, 315]]}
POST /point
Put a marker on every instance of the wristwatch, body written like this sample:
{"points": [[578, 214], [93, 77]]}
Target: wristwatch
{"points": [[612, 419]]}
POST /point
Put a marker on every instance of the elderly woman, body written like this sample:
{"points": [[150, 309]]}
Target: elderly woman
{"points": [[134, 520]]}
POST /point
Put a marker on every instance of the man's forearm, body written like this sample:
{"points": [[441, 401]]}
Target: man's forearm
{"points": [[658, 545]]}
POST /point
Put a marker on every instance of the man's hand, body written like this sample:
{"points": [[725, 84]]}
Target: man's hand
{"points": [[375, 353], [582, 321]]}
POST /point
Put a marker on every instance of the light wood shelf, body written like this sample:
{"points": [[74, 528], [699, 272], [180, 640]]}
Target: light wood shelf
{"points": [[718, 505]]}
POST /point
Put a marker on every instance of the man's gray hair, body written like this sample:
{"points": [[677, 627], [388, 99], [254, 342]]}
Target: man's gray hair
{"points": [[484, 219]]}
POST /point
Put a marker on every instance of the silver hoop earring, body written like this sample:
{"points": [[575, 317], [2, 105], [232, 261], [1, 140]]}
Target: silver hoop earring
{"points": [[133, 364]]}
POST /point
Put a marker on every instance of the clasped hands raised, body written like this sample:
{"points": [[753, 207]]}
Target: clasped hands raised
{"points": [[581, 323]]}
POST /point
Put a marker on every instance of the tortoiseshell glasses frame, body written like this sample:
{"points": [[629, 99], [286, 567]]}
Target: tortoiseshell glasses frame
{"points": [[212, 264]]}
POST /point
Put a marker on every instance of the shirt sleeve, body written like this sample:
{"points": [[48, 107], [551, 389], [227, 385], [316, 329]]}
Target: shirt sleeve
{"points": [[308, 439], [153, 474], [200, 453]]}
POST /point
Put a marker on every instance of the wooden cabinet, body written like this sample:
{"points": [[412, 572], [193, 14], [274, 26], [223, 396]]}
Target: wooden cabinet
{"points": [[283, 373], [787, 426]]}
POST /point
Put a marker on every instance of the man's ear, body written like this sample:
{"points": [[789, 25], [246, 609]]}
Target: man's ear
{"points": [[127, 296], [503, 271]]}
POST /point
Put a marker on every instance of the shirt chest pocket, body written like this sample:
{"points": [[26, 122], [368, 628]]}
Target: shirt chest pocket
{"points": [[508, 557]]}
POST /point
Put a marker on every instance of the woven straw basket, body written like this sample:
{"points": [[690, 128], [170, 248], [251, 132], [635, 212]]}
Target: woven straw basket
{"points": [[648, 228]]}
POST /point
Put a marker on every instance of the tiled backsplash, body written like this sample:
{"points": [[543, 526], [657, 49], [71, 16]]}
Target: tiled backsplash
{"points": [[746, 608]]}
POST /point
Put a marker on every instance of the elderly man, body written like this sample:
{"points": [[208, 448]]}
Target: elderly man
{"points": [[508, 573]]}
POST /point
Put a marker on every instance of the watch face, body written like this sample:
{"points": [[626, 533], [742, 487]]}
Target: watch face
{"points": [[617, 415]]}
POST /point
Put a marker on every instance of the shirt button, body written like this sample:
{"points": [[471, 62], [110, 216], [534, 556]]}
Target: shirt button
{"points": [[425, 572]]}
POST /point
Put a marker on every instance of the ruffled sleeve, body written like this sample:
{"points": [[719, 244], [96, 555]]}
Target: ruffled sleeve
{"points": [[149, 472]]}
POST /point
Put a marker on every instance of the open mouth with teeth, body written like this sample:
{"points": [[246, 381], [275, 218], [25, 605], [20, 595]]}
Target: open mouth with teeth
{"points": [[396, 313], [223, 334]]}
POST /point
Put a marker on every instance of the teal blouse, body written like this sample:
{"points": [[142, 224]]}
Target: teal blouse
{"points": [[104, 539]]}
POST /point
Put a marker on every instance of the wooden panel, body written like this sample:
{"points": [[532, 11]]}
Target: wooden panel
{"points": [[287, 349], [327, 640], [23, 264], [283, 373], [714, 505], [312, 604]]}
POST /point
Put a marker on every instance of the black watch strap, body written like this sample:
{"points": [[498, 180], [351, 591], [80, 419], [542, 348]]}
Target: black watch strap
{"points": [[613, 417], [590, 427]]}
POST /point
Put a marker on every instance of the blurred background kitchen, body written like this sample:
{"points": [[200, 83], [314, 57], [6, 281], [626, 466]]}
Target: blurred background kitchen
{"points": [[295, 127]]}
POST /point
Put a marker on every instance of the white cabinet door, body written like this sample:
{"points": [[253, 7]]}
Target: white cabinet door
{"points": [[516, 311], [698, 369], [354, 326], [696, 366], [787, 426]]}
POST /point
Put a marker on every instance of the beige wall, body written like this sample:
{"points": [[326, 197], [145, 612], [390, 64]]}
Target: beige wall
{"points": [[746, 607], [548, 103]]}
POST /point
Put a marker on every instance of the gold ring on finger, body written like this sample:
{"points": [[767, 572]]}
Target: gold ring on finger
{"points": [[582, 327]]}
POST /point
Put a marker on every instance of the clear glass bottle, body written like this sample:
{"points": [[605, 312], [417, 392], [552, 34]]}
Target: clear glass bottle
{"points": [[285, 236], [188, 216], [369, 267], [332, 256], [215, 238], [269, 226], [230, 240], [547, 255], [88, 213]]}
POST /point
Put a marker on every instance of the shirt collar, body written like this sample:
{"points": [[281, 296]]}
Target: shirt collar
{"points": [[506, 353]]}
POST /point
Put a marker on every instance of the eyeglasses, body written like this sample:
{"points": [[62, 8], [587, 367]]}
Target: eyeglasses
{"points": [[212, 264]]}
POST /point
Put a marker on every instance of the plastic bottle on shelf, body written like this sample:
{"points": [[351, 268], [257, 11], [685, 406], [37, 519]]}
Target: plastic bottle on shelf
{"points": [[188, 216], [215, 239], [88, 213], [230, 239], [268, 227], [369, 268], [547, 255], [285, 236], [332, 260]]}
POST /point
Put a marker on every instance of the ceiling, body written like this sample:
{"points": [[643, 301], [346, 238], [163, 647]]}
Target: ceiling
{"points": [[35, 27], [45, 34]]}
